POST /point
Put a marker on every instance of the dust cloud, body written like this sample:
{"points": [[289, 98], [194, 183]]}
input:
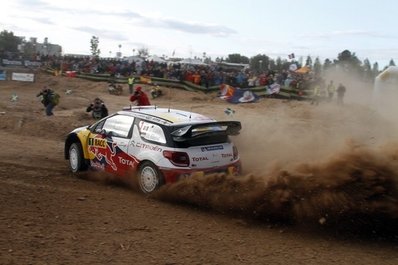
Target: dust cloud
{"points": [[328, 165], [356, 187]]}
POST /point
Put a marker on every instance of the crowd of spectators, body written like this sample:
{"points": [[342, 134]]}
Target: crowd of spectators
{"points": [[205, 75]]}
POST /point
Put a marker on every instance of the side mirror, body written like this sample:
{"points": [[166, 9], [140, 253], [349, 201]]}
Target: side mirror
{"points": [[106, 133]]}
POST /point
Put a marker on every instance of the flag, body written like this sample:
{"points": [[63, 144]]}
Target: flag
{"points": [[291, 56], [273, 89], [14, 97]]}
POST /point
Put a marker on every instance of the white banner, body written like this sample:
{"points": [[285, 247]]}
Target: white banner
{"points": [[25, 77]]}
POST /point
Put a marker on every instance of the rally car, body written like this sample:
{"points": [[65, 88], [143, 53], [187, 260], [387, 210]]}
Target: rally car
{"points": [[158, 145]]}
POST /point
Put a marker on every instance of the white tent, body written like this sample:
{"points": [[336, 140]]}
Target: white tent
{"points": [[135, 59], [385, 91], [156, 59], [191, 61], [386, 81]]}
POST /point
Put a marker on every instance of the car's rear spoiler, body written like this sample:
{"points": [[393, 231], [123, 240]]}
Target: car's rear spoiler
{"points": [[209, 128]]}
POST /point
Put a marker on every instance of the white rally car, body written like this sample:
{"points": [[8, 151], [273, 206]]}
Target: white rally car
{"points": [[160, 145]]}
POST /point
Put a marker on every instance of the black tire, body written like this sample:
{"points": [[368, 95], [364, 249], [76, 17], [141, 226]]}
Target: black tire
{"points": [[76, 159], [149, 177]]}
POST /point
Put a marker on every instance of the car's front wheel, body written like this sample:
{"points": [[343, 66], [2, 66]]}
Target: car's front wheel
{"points": [[149, 177], [76, 159]]}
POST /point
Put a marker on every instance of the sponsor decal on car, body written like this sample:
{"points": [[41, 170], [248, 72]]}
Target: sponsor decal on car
{"points": [[196, 159], [104, 155], [96, 142], [126, 162], [212, 148], [149, 147]]}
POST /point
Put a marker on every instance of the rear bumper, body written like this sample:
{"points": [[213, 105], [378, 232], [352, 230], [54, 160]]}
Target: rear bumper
{"points": [[173, 175]]}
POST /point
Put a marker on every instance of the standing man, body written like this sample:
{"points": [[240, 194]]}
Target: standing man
{"points": [[316, 94], [130, 82], [331, 89], [49, 99], [340, 93], [98, 108]]}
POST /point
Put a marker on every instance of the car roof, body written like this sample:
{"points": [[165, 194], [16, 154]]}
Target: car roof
{"points": [[166, 116]]}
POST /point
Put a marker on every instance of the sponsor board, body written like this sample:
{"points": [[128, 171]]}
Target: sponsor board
{"points": [[26, 63], [3, 75], [24, 77], [7, 62]]}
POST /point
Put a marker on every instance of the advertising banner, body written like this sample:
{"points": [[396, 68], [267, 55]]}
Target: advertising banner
{"points": [[22, 63], [24, 77]]}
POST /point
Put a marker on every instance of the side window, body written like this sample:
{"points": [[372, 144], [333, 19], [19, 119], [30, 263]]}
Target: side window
{"points": [[118, 125], [98, 127], [151, 132]]}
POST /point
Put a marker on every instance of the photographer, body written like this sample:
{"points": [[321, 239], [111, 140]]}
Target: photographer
{"points": [[98, 108], [140, 96]]}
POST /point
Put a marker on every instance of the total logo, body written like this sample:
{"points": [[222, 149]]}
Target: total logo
{"points": [[126, 162], [197, 159]]}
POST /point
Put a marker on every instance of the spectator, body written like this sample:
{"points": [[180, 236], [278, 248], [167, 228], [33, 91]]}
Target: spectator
{"points": [[98, 108], [49, 99], [331, 89], [316, 95], [156, 91], [341, 89], [140, 96], [130, 82]]}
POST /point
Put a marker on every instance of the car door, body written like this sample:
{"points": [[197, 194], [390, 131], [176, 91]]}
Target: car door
{"points": [[108, 145], [147, 141]]}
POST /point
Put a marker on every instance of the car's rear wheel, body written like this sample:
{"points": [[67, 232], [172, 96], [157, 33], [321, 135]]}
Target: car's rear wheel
{"points": [[76, 159], [149, 177]]}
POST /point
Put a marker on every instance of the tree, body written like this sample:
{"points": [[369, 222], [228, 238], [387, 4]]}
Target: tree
{"points": [[207, 60], [308, 62], [349, 62], [367, 70], [29, 48], [278, 64], [300, 61], [236, 58], [327, 64], [143, 52], [9, 42], [392, 63], [94, 46], [317, 67], [375, 69], [272, 65], [260, 62]]}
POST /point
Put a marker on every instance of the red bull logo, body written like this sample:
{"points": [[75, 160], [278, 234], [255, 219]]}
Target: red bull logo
{"points": [[106, 153]]}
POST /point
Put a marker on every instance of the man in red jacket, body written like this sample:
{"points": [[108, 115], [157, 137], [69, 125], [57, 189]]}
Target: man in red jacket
{"points": [[141, 97]]}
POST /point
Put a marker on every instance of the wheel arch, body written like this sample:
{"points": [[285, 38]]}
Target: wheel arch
{"points": [[72, 138], [77, 137]]}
